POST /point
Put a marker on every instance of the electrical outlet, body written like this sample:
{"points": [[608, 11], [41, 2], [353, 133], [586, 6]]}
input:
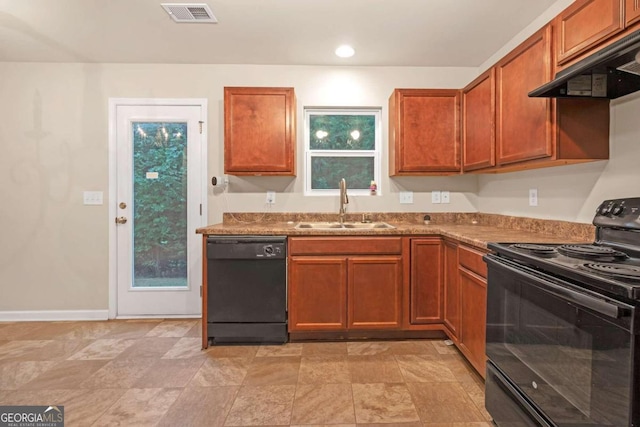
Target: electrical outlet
{"points": [[444, 197], [406, 197], [435, 197], [92, 197], [533, 197], [271, 197]]}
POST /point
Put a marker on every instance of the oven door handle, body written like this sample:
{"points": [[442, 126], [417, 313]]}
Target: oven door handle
{"points": [[603, 307]]}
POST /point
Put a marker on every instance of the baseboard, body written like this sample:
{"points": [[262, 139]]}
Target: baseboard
{"points": [[53, 315], [160, 316]]}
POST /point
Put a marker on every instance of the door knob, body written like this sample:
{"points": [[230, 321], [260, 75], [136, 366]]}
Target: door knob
{"points": [[121, 220]]}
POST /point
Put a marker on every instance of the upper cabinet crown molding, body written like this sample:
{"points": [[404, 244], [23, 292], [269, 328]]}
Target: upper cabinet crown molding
{"points": [[424, 132], [259, 131]]}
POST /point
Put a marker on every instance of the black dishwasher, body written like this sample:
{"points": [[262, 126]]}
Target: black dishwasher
{"points": [[247, 289]]}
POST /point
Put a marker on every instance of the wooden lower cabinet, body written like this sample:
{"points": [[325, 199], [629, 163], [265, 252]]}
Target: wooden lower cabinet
{"points": [[374, 296], [451, 289], [472, 283], [317, 293], [425, 298], [335, 290], [398, 285], [473, 291]]}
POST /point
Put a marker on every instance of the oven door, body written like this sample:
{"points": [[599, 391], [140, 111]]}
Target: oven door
{"points": [[568, 352]]}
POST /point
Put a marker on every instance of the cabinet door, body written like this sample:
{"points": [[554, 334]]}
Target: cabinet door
{"points": [[424, 131], [317, 293], [479, 123], [473, 289], [585, 24], [425, 301], [524, 125], [375, 292], [632, 11], [451, 288], [259, 131]]}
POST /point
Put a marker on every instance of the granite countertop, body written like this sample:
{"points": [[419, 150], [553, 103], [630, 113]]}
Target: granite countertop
{"points": [[473, 229]]}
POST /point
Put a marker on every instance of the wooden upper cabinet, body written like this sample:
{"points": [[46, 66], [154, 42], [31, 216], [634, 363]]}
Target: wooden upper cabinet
{"points": [[479, 122], [585, 24], [632, 12], [259, 131], [424, 132], [524, 125]]}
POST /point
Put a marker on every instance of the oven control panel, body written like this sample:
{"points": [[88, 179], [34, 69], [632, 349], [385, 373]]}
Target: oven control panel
{"points": [[619, 213]]}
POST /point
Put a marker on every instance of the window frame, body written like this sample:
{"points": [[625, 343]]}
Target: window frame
{"points": [[376, 153]]}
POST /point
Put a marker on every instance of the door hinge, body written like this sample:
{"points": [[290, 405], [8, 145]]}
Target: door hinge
{"points": [[200, 209], [200, 291], [200, 123]]}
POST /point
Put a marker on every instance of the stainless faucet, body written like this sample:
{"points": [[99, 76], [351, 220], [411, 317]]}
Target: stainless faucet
{"points": [[344, 199]]}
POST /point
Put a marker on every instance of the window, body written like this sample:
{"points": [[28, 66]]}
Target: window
{"points": [[342, 143]]}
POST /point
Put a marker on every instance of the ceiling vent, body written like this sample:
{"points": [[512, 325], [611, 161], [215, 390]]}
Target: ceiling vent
{"points": [[190, 12]]}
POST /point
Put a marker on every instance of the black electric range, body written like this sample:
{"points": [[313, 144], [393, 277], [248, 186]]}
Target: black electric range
{"points": [[563, 327], [596, 266]]}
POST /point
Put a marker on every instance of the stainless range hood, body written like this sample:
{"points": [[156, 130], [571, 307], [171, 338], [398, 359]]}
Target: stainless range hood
{"points": [[612, 72]]}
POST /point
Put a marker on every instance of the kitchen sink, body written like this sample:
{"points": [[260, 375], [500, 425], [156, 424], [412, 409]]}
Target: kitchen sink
{"points": [[352, 226]]}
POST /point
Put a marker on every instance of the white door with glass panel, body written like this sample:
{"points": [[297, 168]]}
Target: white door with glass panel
{"points": [[158, 207]]}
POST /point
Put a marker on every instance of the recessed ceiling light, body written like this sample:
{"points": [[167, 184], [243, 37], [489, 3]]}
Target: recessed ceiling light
{"points": [[345, 51]]}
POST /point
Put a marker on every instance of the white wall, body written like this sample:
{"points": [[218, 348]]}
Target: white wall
{"points": [[572, 193], [54, 140], [329, 86]]}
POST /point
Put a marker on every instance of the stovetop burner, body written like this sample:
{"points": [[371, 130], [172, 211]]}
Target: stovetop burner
{"points": [[597, 253], [540, 250], [620, 271], [610, 265]]}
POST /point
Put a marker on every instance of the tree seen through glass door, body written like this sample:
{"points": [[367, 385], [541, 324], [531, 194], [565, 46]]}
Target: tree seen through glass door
{"points": [[160, 204]]}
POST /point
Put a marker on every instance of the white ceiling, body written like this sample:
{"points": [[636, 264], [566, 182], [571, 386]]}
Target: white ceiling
{"points": [[301, 32]]}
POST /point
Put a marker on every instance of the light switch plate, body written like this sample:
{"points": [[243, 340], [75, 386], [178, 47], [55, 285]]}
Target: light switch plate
{"points": [[406, 197], [445, 197], [92, 197], [435, 197]]}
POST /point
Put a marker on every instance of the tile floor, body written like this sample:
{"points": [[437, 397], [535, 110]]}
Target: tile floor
{"points": [[153, 372]]}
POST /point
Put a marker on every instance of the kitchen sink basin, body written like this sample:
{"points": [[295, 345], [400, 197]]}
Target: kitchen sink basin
{"points": [[352, 226]]}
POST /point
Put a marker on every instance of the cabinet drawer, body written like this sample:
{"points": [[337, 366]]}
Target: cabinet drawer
{"points": [[471, 259], [345, 245]]}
